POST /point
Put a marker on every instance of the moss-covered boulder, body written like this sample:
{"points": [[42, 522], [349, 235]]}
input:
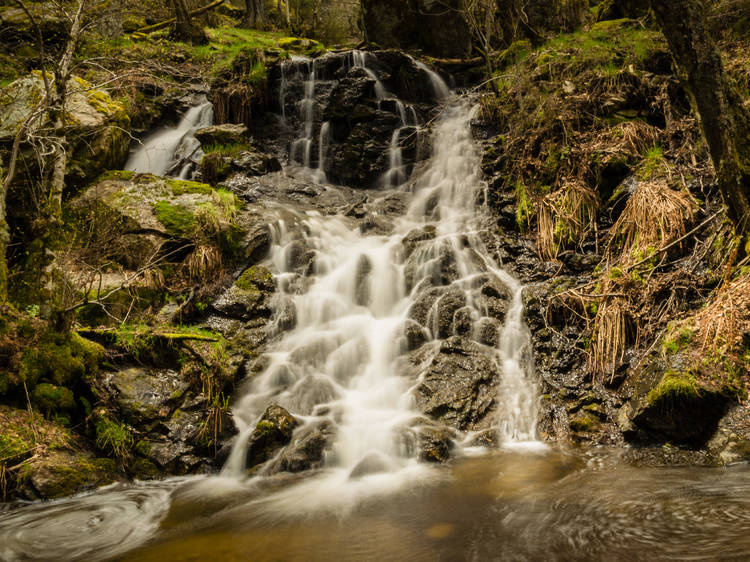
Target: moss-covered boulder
{"points": [[249, 297], [670, 404], [273, 431], [97, 126]]}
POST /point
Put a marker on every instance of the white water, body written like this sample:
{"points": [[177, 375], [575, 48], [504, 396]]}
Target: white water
{"points": [[164, 150], [302, 147], [340, 361]]}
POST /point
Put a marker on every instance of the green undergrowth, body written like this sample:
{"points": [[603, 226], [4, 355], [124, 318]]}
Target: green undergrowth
{"points": [[232, 149]]}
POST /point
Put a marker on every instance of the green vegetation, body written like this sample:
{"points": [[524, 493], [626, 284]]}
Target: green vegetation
{"points": [[674, 386], [114, 437], [60, 358], [652, 165]]}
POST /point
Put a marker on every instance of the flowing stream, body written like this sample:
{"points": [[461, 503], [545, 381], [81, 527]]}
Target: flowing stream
{"points": [[172, 150]]}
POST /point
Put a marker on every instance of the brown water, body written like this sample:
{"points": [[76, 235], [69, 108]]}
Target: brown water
{"points": [[503, 506]]}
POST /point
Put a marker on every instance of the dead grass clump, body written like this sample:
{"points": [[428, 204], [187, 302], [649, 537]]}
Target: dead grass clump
{"points": [[723, 324], [566, 217], [610, 335], [204, 263], [654, 216]]}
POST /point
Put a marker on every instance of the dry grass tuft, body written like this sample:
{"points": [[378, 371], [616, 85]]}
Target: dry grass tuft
{"points": [[610, 335], [566, 217], [654, 216], [204, 263], [723, 324]]}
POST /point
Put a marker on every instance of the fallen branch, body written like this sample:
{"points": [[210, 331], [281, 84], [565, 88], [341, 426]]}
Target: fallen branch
{"points": [[166, 23], [169, 336]]}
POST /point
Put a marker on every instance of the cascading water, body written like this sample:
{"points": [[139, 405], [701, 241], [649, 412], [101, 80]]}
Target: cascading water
{"points": [[302, 146], [339, 364], [172, 150]]}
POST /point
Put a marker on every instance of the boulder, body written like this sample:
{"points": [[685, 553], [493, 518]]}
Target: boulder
{"points": [[248, 297], [435, 443], [224, 134], [458, 383], [65, 472], [273, 431], [145, 395], [671, 405], [97, 126], [307, 448]]}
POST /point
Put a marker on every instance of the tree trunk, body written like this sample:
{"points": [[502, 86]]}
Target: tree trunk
{"points": [[724, 121], [185, 29], [255, 14]]}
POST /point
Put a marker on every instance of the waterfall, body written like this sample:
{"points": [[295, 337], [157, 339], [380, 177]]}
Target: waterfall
{"points": [[169, 151], [302, 146], [340, 362]]}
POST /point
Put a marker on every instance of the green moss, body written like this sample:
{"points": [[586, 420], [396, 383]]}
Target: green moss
{"points": [[265, 427], [177, 219], [232, 149], [675, 341], [583, 421], [673, 387], [60, 358], [120, 175], [181, 187], [652, 165], [50, 398], [252, 276]]}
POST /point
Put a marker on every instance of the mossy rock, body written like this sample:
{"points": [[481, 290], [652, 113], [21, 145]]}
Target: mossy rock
{"points": [[273, 431], [671, 405], [60, 358], [64, 473], [50, 398]]}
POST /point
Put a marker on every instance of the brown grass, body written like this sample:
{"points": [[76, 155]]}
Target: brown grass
{"points": [[566, 217], [655, 215], [204, 263]]}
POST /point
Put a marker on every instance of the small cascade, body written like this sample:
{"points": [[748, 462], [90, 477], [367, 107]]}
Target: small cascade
{"points": [[173, 151], [320, 174], [302, 146], [359, 60], [439, 87]]}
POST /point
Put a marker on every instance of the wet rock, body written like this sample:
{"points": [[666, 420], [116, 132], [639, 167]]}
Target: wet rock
{"points": [[414, 335], [487, 438], [64, 472], [671, 406], [458, 384], [255, 163], [224, 134], [249, 296], [273, 431], [435, 443], [371, 463], [414, 237], [488, 331], [731, 442], [435, 309], [307, 448], [145, 395]]}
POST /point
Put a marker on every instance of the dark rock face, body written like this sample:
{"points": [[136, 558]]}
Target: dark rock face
{"points": [[347, 96], [435, 443], [437, 28], [459, 383], [273, 431]]}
